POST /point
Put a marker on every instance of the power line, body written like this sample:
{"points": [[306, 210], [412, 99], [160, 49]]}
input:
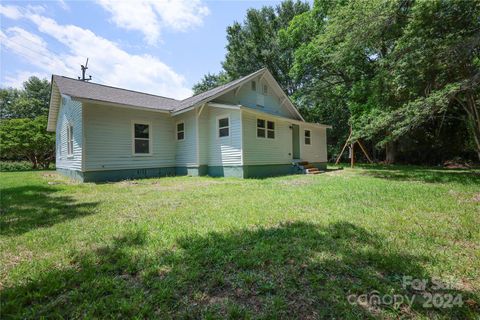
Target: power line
{"points": [[26, 56]]}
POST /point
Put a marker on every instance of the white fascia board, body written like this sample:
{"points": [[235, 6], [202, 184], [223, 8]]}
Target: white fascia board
{"points": [[280, 118], [224, 106]]}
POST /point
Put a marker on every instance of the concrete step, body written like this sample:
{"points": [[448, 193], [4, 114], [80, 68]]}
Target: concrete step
{"points": [[311, 170]]}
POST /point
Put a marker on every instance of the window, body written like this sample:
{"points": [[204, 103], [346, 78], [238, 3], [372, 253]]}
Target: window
{"points": [[308, 137], [265, 129], [69, 140], [223, 127], [180, 130], [141, 139], [265, 89], [254, 86]]}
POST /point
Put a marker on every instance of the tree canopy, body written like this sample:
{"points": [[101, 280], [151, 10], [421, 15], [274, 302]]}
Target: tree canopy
{"points": [[29, 102], [23, 123], [255, 44], [28, 139], [403, 74]]}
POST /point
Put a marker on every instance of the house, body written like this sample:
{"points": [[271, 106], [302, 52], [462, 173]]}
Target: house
{"points": [[246, 128]]}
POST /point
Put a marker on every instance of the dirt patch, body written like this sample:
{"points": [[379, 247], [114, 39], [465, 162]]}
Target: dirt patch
{"points": [[465, 197], [301, 181], [476, 197], [169, 185], [183, 186]]}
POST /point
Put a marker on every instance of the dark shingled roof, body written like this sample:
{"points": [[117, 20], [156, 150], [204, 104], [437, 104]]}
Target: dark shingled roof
{"points": [[100, 92], [94, 91]]}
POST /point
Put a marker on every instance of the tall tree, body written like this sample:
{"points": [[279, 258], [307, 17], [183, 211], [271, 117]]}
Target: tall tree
{"points": [[398, 66], [254, 44], [29, 102], [431, 71], [29, 139]]}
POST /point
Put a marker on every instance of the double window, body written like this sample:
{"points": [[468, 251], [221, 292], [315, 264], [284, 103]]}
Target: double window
{"points": [[181, 131], [308, 137], [223, 127], [265, 129], [69, 140], [141, 139]]}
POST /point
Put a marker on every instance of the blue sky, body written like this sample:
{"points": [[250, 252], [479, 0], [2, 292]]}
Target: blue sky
{"points": [[161, 47]]}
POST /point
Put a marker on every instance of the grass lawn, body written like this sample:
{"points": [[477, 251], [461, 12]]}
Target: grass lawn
{"points": [[286, 247]]}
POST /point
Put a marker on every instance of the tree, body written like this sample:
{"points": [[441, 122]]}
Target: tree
{"points": [[210, 81], [8, 100], [30, 102], [254, 44], [433, 68], [400, 68], [29, 139]]}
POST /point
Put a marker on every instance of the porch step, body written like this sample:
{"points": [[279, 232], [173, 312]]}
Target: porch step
{"points": [[305, 167], [312, 171]]}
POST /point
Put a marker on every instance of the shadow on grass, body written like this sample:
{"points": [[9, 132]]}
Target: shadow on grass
{"points": [[29, 207], [423, 174], [294, 270]]}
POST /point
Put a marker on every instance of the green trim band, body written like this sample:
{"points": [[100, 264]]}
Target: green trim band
{"points": [[249, 171]]}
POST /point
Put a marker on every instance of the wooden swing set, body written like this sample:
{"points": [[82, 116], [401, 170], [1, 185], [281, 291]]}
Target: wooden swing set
{"points": [[352, 150]]}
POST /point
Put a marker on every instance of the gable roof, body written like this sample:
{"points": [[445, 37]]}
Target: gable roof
{"points": [[83, 90], [99, 92], [215, 92]]}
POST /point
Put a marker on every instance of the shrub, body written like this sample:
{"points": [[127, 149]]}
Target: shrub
{"points": [[28, 139], [19, 166], [15, 166]]}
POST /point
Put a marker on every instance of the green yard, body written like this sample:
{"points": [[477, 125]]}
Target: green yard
{"points": [[287, 247]]}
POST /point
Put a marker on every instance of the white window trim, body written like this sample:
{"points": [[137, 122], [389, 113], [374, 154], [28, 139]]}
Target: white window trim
{"points": [[265, 92], [176, 130], [69, 140], [266, 129], [218, 126], [150, 138], [304, 137]]}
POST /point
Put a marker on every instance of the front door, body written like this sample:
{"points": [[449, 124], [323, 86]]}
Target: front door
{"points": [[296, 141]]}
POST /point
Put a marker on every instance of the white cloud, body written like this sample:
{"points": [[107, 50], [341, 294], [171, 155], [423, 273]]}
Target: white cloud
{"points": [[108, 62], [151, 16], [63, 5], [11, 12], [16, 80]]}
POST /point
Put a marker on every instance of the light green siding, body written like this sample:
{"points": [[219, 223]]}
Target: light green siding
{"points": [[268, 103], [186, 149], [70, 113], [203, 138], [226, 151], [260, 151], [108, 138], [317, 151], [263, 151]]}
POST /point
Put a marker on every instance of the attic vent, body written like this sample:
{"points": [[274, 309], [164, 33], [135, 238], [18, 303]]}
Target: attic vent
{"points": [[254, 86]]}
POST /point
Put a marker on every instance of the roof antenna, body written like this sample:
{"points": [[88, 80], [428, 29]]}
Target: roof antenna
{"points": [[84, 69]]}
